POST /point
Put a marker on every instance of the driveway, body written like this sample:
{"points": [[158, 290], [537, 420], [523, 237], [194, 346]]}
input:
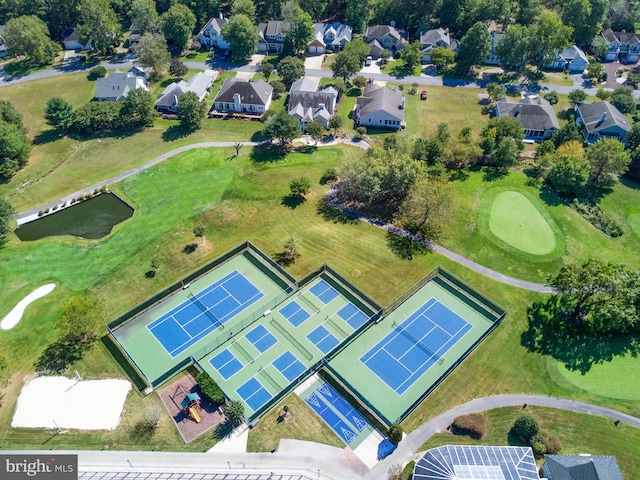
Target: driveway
{"points": [[313, 62], [373, 68]]}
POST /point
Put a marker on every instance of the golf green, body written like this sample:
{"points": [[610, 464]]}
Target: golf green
{"points": [[614, 379], [515, 220]]}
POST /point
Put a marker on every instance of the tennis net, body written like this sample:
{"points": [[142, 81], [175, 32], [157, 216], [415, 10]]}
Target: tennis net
{"points": [[420, 345], [206, 310]]}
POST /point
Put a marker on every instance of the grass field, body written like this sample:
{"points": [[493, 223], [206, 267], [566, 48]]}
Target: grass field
{"points": [[603, 437]]}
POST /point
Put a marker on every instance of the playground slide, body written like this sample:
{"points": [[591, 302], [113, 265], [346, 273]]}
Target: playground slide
{"points": [[194, 414]]}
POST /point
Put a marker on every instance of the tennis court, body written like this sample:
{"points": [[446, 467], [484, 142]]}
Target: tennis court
{"points": [[204, 312], [261, 338], [414, 346], [324, 292], [294, 313]]}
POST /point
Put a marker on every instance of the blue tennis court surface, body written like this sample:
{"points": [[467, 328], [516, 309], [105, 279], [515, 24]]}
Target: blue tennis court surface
{"points": [[289, 366], [324, 291], [226, 364], [352, 315], [416, 345], [199, 315], [254, 394], [261, 338], [336, 412], [323, 339], [294, 313]]}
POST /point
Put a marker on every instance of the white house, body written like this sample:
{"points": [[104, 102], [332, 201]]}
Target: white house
{"points": [[329, 36], [169, 99], [308, 105], [211, 34], [380, 107], [571, 58], [71, 40], [243, 96], [437, 37], [116, 86]]}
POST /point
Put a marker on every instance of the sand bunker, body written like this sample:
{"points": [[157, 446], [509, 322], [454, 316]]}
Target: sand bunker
{"points": [[51, 402], [14, 316]]}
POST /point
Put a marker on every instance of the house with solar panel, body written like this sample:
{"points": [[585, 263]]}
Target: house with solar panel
{"points": [[474, 462], [600, 120], [581, 467]]}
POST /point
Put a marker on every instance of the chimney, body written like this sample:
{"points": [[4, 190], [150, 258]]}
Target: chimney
{"points": [[402, 106], [519, 110], [603, 117], [236, 102], [321, 106], [393, 23], [221, 17]]}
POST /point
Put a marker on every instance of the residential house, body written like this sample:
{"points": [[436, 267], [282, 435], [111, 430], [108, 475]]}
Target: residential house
{"points": [[534, 113], [380, 37], [493, 56], [243, 96], [581, 467], [169, 99], [571, 58], [438, 37], [116, 86], [601, 119], [3, 47], [71, 40], [477, 462], [135, 34], [329, 36], [623, 46], [211, 34], [271, 36], [380, 107], [309, 105]]}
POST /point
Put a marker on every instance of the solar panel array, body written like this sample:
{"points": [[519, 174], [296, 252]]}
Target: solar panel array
{"points": [[470, 462]]}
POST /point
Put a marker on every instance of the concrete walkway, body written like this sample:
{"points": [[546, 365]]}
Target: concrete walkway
{"points": [[515, 282], [311, 459]]}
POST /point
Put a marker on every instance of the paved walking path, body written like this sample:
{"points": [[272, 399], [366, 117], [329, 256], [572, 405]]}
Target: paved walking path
{"points": [[535, 287], [311, 459]]}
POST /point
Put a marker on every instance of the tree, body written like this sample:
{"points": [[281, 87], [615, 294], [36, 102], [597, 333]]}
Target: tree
{"points": [[29, 36], [359, 81], [210, 389], [138, 109], [144, 15], [475, 48], [282, 127], [411, 54], [242, 35], [346, 65], [177, 67], [517, 46], [551, 37], [633, 137], [98, 24], [301, 30], [14, 149], [396, 472], [359, 48], [496, 91], [291, 249], [299, 187], [602, 94], [153, 53], [191, 111], [278, 88], [608, 160], [505, 155], [426, 206], [595, 72], [442, 57], [7, 211], [335, 123], [244, 7], [577, 96], [552, 97], [585, 16], [568, 132], [315, 8], [82, 318], [58, 113], [234, 412], [622, 99], [198, 232], [178, 24], [496, 144], [96, 117], [394, 434], [526, 427], [600, 47], [315, 130], [358, 14], [267, 70], [569, 174], [290, 69]]}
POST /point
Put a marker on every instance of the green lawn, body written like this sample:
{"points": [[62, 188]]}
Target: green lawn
{"points": [[398, 68], [578, 433], [557, 78]]}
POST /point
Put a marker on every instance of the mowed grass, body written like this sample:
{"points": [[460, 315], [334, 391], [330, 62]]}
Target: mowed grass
{"points": [[303, 424], [578, 433]]}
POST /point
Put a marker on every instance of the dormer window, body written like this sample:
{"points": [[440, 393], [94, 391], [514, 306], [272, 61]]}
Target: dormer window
{"points": [[280, 37]]}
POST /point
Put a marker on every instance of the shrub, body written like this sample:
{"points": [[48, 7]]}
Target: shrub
{"points": [[98, 72], [40, 213], [46, 210], [210, 389], [474, 425], [551, 97], [285, 408], [538, 449], [329, 176], [394, 434], [362, 131], [598, 218], [278, 88], [526, 427], [234, 412], [266, 115], [552, 444]]}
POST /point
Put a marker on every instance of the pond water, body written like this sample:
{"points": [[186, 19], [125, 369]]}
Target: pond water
{"points": [[91, 219]]}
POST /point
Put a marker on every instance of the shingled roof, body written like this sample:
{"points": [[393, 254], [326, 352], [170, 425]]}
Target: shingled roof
{"points": [[376, 98], [256, 93], [582, 467], [602, 115], [533, 113]]}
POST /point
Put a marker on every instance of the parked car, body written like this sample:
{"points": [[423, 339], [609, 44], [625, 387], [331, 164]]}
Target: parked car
{"points": [[423, 95], [368, 61]]}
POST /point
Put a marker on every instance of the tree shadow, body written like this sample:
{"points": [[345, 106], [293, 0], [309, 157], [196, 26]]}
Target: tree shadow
{"points": [[629, 183], [190, 248], [62, 353], [283, 259], [306, 149], [150, 274], [459, 174], [329, 213], [490, 174], [549, 197], [175, 132], [514, 440], [292, 201], [405, 248], [268, 153], [549, 334], [47, 136]]}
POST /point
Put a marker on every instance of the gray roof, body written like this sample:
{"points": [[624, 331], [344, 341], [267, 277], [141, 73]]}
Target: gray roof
{"points": [[312, 100], [253, 93], [216, 23], [573, 52], [376, 98], [429, 37], [197, 84], [305, 101], [582, 467], [273, 27], [477, 462], [342, 32], [381, 31], [620, 37], [533, 113], [304, 84], [601, 116], [118, 84]]}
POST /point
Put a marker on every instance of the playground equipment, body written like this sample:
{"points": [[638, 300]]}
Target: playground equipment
{"points": [[189, 406]]}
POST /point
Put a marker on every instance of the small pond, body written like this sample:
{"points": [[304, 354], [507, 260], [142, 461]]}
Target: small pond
{"points": [[91, 219]]}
